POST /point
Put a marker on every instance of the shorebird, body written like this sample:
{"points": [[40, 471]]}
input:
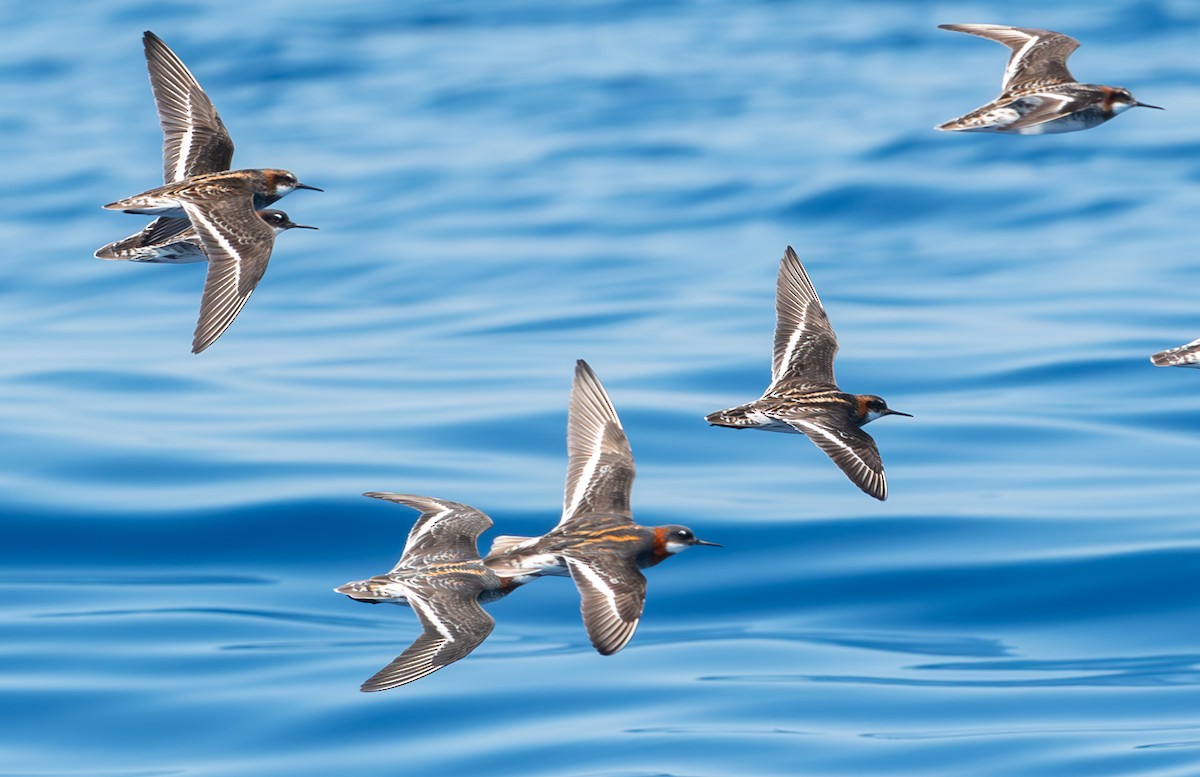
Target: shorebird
{"points": [[201, 193], [195, 141], [1039, 96], [440, 576], [803, 397], [596, 541]]}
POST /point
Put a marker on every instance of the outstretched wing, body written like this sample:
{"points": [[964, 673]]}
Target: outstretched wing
{"points": [[445, 531], [600, 467], [194, 139], [238, 244], [612, 592], [849, 446], [454, 624], [805, 343], [1039, 57]]}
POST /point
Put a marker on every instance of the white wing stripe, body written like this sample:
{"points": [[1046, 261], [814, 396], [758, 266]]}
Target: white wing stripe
{"points": [[597, 582], [427, 523], [787, 356], [585, 480], [416, 602], [825, 433], [1015, 62], [198, 215], [184, 152]]}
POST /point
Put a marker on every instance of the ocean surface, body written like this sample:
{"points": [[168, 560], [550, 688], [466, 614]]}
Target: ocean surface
{"points": [[514, 185]]}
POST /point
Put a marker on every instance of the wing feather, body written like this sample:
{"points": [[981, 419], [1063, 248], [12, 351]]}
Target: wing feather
{"points": [[194, 138], [600, 468], [852, 450], [238, 244], [612, 593], [805, 343], [1039, 57], [445, 530], [453, 625]]}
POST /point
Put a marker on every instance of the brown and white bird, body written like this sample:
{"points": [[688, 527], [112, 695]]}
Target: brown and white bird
{"points": [[1039, 96], [596, 541], [201, 193], [803, 397], [440, 577]]}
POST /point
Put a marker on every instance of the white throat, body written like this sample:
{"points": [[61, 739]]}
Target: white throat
{"points": [[872, 415]]}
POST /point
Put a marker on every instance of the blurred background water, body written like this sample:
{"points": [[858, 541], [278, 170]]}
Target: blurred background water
{"points": [[513, 185]]}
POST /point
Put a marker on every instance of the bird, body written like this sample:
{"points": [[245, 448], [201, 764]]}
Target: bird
{"points": [[439, 575], [201, 193], [803, 397], [596, 541], [174, 241], [1039, 96], [1180, 356], [195, 141], [171, 199], [238, 243]]}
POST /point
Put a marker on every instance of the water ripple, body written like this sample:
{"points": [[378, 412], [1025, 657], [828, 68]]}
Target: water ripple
{"points": [[221, 612]]}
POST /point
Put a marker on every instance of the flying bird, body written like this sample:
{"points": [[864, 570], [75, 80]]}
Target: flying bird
{"points": [[596, 541], [803, 397], [439, 575], [202, 201], [1038, 95]]}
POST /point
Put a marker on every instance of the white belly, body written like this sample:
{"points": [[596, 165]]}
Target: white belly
{"points": [[769, 424]]}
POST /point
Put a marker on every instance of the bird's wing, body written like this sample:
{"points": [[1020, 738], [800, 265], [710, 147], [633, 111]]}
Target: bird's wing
{"points": [[1039, 57], [194, 139], [600, 467], [445, 531], [454, 625], [612, 592], [805, 343], [851, 449], [238, 244], [1039, 109], [164, 230]]}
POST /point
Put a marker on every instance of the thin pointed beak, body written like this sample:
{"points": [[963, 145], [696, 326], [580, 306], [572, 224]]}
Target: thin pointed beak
{"points": [[897, 412], [302, 226], [306, 186], [710, 544], [1147, 105]]}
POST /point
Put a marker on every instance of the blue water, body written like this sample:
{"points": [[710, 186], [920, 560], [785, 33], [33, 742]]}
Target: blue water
{"points": [[513, 185]]}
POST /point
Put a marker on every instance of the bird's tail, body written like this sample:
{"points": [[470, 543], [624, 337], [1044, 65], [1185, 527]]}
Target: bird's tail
{"points": [[735, 417]]}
